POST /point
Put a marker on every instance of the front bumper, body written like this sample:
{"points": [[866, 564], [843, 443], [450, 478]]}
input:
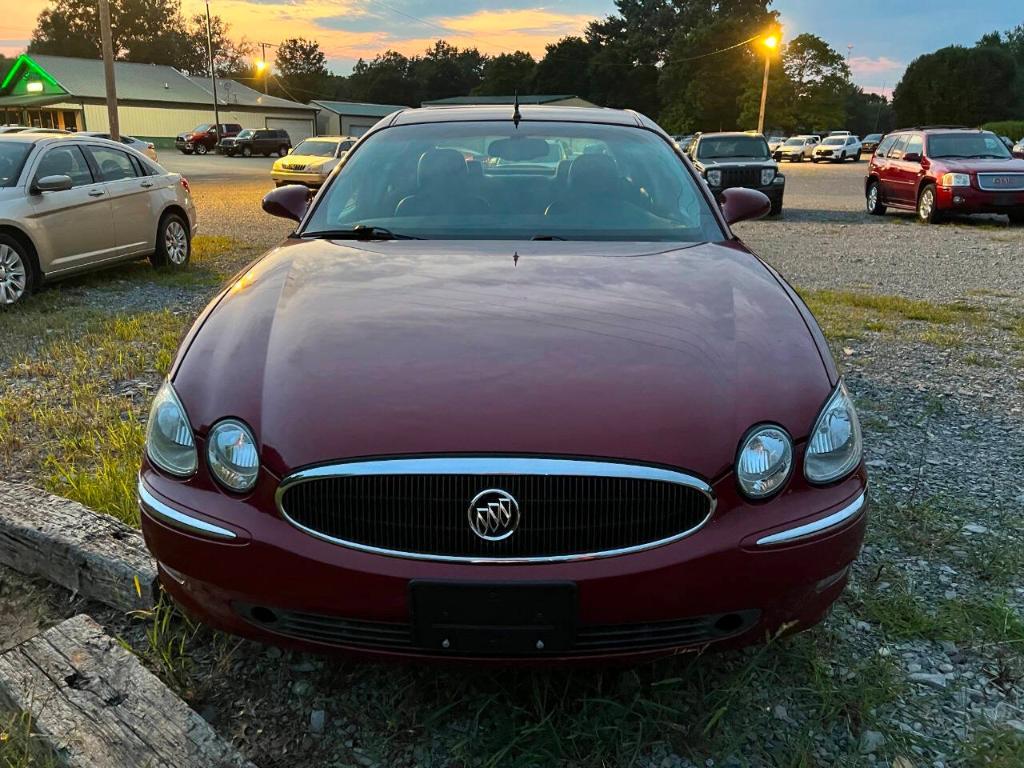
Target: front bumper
{"points": [[971, 200], [310, 179], [744, 576]]}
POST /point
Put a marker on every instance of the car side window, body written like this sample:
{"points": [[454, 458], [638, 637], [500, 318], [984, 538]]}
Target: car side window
{"points": [[114, 165], [65, 161], [916, 144], [896, 153], [886, 144]]}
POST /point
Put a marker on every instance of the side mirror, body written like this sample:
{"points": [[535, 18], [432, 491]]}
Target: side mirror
{"points": [[288, 202], [912, 157], [741, 204], [57, 183]]}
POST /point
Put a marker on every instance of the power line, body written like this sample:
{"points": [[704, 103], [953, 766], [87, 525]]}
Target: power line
{"points": [[716, 52]]}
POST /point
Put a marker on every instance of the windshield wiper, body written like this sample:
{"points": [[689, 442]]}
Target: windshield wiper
{"points": [[359, 232], [547, 237]]}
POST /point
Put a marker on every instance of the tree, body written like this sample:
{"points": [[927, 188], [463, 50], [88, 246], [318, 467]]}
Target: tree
{"points": [[564, 68], [149, 31], [232, 58], [445, 71], [386, 79], [705, 74], [968, 86], [819, 80], [302, 70], [507, 73]]}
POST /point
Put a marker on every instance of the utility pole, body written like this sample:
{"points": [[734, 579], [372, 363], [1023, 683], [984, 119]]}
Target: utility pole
{"points": [[764, 92], [213, 71], [108, 70], [265, 71]]}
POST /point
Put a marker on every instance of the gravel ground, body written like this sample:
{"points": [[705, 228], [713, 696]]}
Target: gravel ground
{"points": [[943, 424]]}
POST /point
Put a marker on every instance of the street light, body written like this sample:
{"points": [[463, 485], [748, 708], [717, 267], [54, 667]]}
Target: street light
{"points": [[771, 42]]}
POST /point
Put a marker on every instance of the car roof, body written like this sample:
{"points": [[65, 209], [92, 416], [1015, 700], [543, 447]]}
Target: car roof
{"points": [[331, 138], [730, 133], [529, 112]]}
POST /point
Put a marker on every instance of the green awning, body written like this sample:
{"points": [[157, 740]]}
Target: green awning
{"points": [[32, 101]]}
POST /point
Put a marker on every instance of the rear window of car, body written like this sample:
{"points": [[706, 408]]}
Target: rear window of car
{"points": [[967, 145], [733, 146], [114, 165], [12, 160], [618, 183]]}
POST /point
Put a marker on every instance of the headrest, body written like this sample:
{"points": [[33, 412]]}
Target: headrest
{"points": [[594, 173], [440, 165]]}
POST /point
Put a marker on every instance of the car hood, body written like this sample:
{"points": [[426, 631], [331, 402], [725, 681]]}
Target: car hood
{"points": [[310, 161], [979, 165], [644, 352]]}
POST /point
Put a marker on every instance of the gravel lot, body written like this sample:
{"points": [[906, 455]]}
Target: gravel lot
{"points": [[880, 683]]}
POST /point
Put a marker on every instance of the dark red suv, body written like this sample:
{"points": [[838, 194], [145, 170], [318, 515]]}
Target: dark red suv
{"points": [[940, 171], [204, 137]]}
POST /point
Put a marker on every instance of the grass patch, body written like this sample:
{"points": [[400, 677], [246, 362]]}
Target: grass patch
{"points": [[851, 314], [76, 379], [21, 746], [994, 747]]}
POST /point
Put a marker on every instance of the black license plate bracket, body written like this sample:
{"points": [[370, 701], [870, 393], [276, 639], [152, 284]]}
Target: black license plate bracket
{"points": [[494, 618]]}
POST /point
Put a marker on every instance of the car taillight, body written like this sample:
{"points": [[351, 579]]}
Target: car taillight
{"points": [[185, 186]]}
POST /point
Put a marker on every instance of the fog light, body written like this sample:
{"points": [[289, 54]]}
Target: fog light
{"points": [[958, 200]]}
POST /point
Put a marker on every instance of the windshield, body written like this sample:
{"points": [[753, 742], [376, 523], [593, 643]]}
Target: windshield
{"points": [[873, 137], [979, 145], [317, 148], [795, 142], [201, 128], [835, 140], [248, 132], [733, 146], [12, 158], [616, 183]]}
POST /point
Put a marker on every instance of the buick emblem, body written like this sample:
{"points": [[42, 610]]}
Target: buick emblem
{"points": [[493, 515], [1002, 181]]}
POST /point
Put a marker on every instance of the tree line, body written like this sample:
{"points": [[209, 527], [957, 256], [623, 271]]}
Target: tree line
{"points": [[683, 62]]}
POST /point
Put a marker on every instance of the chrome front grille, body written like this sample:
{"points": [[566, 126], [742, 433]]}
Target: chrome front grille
{"points": [[1001, 182], [568, 509]]}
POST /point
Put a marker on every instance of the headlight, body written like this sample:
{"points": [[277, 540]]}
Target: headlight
{"points": [[835, 447], [956, 180], [231, 452], [714, 178], [767, 176], [764, 462], [169, 441]]}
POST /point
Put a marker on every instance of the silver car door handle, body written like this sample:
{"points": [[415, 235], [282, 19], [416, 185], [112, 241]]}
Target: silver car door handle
{"points": [[146, 184], [96, 193]]}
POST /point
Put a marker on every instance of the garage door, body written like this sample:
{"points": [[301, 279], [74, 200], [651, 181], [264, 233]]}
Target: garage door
{"points": [[297, 129]]}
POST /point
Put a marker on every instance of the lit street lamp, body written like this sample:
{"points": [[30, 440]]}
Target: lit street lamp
{"points": [[770, 42]]}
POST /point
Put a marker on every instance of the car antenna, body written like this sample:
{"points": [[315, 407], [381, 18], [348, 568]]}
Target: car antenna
{"points": [[516, 114]]}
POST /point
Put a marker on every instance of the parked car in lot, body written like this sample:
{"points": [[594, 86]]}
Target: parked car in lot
{"points": [[312, 161], [728, 160], [70, 204], [256, 141], [870, 143], [774, 142], [837, 149], [506, 412], [145, 147], [939, 171], [1018, 149], [204, 137], [13, 128], [797, 149]]}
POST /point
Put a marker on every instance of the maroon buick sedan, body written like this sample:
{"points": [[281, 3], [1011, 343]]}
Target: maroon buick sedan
{"points": [[536, 405]]}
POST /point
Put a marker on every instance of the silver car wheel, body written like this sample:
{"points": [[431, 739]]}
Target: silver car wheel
{"points": [[13, 275], [872, 198], [176, 242], [924, 209]]}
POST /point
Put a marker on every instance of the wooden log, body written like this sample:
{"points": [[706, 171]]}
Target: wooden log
{"points": [[91, 554], [95, 704]]}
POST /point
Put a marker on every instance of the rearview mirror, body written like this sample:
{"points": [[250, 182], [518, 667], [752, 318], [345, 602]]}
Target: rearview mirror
{"points": [[288, 202], [741, 204], [56, 183]]}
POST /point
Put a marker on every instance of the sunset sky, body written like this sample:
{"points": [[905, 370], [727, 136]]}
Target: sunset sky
{"points": [[885, 37]]}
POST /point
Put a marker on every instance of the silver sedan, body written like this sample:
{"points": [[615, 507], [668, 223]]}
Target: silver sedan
{"points": [[71, 204]]}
